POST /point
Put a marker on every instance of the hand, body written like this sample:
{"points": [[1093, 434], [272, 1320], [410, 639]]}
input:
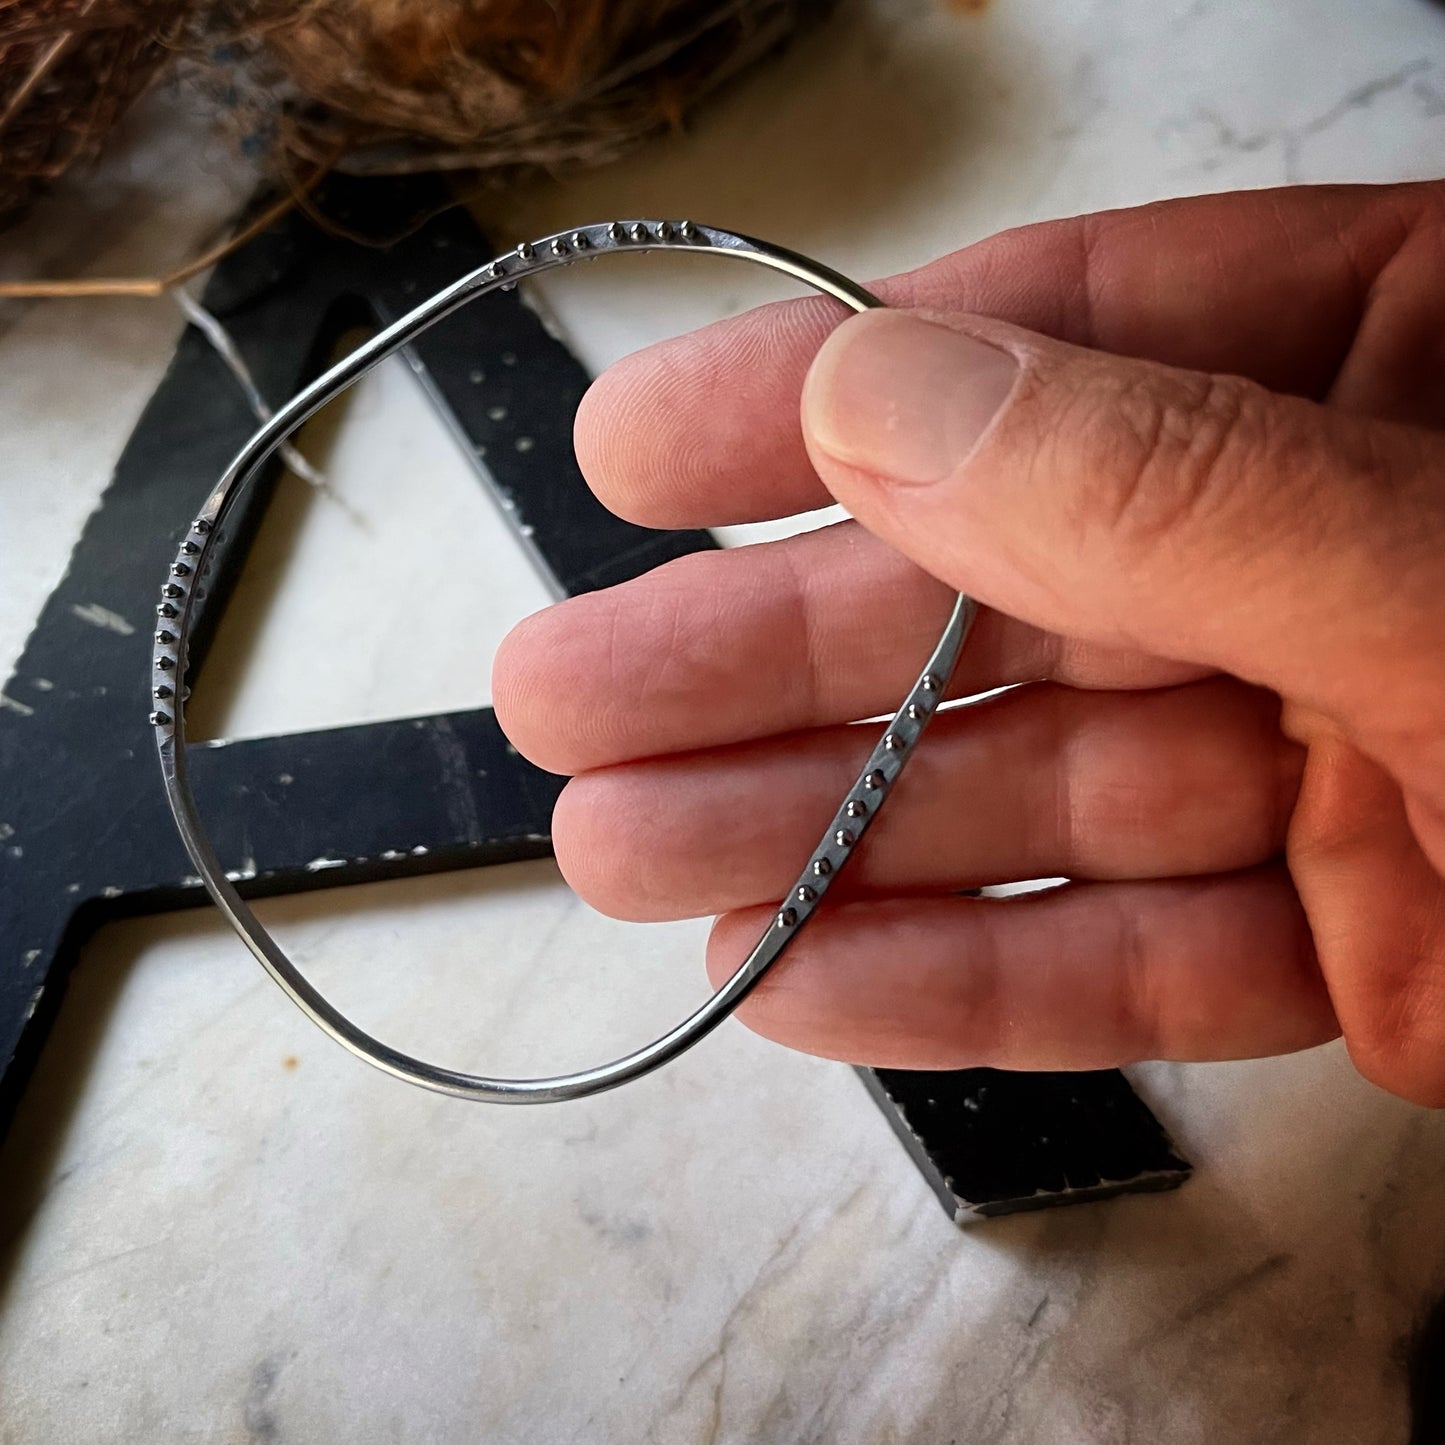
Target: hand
{"points": [[1192, 460]]}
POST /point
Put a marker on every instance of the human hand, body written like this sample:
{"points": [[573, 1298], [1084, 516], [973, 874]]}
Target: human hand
{"points": [[1222, 600]]}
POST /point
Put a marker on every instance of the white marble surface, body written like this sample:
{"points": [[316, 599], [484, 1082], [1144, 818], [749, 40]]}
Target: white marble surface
{"points": [[214, 1226]]}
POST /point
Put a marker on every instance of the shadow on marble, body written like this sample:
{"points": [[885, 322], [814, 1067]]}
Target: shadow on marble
{"points": [[1427, 1380], [32, 1155], [1241, 1308]]}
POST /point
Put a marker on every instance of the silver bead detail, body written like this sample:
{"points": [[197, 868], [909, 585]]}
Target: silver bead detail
{"points": [[639, 232], [822, 867], [875, 780], [580, 241], [843, 838], [165, 610], [893, 742], [171, 590], [856, 809], [201, 526], [495, 271], [190, 548], [165, 636], [180, 569], [165, 663], [160, 719], [914, 713], [162, 692], [559, 247], [616, 232], [787, 918], [687, 231], [664, 230], [805, 894], [931, 683], [525, 251]]}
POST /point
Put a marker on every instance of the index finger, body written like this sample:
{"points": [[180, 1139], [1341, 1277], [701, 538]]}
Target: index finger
{"points": [[703, 430]]}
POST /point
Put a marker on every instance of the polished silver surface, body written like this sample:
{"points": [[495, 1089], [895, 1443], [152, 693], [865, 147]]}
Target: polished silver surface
{"points": [[825, 863]]}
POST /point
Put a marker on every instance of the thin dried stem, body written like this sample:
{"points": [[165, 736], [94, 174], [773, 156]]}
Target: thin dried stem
{"points": [[52, 53], [148, 286]]}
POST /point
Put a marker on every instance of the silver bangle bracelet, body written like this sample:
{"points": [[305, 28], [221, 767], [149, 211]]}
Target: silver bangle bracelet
{"points": [[856, 812]]}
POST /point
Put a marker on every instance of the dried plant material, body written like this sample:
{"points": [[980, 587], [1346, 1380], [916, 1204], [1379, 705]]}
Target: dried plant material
{"points": [[376, 86], [406, 85], [68, 71]]}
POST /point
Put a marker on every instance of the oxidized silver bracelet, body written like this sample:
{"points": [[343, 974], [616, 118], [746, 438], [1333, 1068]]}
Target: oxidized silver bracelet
{"points": [[857, 810]]}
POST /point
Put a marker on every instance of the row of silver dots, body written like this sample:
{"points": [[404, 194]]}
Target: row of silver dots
{"points": [[168, 662], [579, 243], [805, 895]]}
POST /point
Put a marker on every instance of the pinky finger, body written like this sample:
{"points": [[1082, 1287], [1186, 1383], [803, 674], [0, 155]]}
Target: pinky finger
{"points": [[1082, 977]]}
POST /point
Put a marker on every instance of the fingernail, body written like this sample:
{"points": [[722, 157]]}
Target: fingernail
{"points": [[904, 398]]}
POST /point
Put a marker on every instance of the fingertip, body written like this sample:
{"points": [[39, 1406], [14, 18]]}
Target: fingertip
{"points": [[621, 438], [774, 1009], [702, 430], [732, 935], [512, 682], [528, 694], [621, 849], [590, 834], [826, 998]]}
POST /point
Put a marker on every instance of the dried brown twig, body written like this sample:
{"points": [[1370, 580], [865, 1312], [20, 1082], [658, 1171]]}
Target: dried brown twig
{"points": [[68, 71], [159, 285]]}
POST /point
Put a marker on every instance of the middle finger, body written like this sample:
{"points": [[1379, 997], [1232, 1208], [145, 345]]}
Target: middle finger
{"points": [[722, 647]]}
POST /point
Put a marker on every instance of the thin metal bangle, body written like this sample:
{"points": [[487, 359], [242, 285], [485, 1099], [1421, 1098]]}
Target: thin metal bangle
{"points": [[855, 813]]}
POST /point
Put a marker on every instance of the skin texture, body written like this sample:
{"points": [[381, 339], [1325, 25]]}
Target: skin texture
{"points": [[1191, 458]]}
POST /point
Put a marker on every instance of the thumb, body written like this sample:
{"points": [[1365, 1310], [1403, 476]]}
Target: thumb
{"points": [[1188, 515]]}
